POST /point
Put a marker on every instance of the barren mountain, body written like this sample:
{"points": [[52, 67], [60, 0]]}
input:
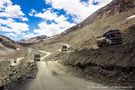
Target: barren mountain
{"points": [[114, 8], [7, 46], [33, 40]]}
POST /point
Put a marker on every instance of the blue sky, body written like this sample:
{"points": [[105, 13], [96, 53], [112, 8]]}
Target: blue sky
{"points": [[21, 19]]}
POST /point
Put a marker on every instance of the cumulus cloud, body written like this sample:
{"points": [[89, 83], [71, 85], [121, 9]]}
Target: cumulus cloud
{"points": [[33, 12], [9, 25], [8, 14], [4, 3], [12, 11], [58, 23], [52, 29], [49, 15], [11, 35]]}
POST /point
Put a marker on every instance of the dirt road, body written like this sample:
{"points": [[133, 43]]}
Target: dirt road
{"points": [[54, 76]]}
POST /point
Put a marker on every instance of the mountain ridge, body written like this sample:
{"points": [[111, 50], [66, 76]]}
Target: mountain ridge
{"points": [[33, 40], [8, 46], [115, 7]]}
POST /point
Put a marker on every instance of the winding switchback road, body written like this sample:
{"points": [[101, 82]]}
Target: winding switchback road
{"points": [[54, 76]]}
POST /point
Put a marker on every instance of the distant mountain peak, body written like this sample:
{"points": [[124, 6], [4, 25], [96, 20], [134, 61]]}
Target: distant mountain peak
{"points": [[33, 40]]}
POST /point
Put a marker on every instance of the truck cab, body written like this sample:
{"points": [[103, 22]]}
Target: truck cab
{"points": [[64, 48], [112, 37], [37, 57]]}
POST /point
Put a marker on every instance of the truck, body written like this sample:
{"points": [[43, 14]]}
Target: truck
{"points": [[64, 48], [37, 57], [112, 37]]}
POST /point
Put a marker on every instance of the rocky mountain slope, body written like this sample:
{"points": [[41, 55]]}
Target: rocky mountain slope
{"points": [[7, 46], [115, 7]]}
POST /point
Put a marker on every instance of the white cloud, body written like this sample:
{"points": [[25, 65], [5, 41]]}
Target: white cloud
{"points": [[7, 21], [8, 14], [49, 15], [11, 11], [28, 35], [59, 25], [75, 7], [52, 29], [14, 11], [9, 25], [2, 2], [11, 34], [33, 12], [24, 18], [18, 27]]}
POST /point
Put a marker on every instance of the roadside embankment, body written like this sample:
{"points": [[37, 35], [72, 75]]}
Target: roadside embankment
{"points": [[113, 65], [11, 76]]}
